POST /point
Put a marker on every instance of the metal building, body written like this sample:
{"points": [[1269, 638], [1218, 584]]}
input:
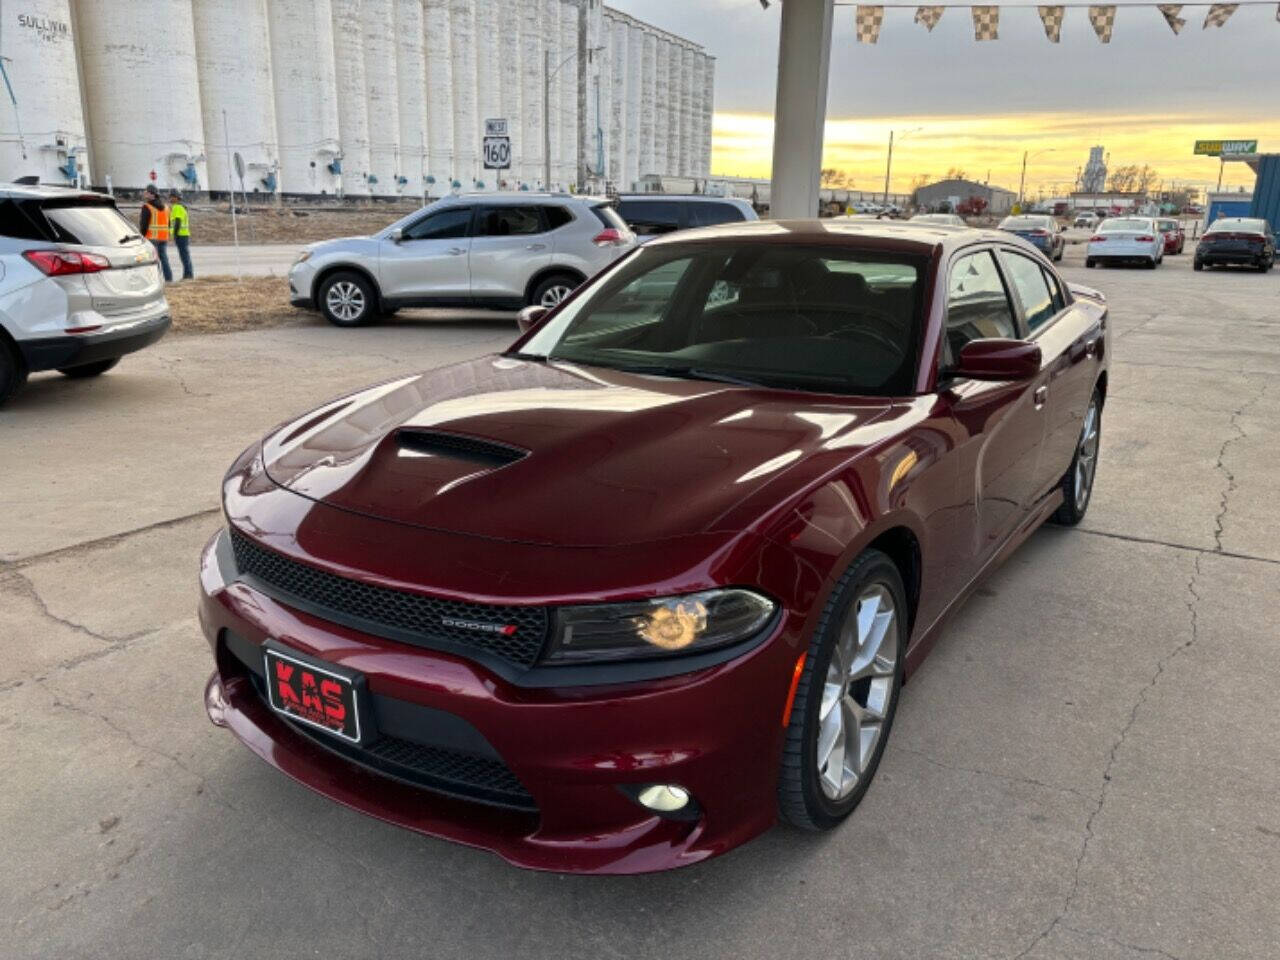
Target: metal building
{"points": [[359, 98]]}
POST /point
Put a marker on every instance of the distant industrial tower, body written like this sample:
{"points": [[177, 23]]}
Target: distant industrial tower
{"points": [[1094, 178]]}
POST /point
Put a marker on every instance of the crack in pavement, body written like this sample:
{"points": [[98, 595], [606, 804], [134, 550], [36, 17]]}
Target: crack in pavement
{"points": [[1124, 945], [1100, 801], [1220, 520], [1009, 778], [170, 365], [109, 540], [1131, 538], [27, 588]]}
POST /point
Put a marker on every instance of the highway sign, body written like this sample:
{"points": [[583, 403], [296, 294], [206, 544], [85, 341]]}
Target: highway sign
{"points": [[496, 127], [497, 153], [1225, 148]]}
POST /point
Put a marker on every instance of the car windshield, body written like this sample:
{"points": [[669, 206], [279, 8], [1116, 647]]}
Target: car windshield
{"points": [[819, 318], [1125, 223], [1236, 225], [1022, 223]]}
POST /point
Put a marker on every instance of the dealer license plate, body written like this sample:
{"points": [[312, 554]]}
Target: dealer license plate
{"points": [[322, 697]]}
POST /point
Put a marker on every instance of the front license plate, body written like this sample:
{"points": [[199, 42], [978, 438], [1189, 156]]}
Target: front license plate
{"points": [[321, 697]]}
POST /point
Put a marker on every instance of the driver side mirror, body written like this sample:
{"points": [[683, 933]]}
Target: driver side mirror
{"points": [[997, 359], [396, 235], [530, 317]]}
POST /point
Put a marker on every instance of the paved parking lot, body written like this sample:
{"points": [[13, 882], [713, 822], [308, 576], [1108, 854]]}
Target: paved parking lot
{"points": [[1088, 765]]}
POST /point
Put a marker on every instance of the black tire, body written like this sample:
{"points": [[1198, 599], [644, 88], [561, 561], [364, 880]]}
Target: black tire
{"points": [[1152, 263], [554, 287], [347, 299], [1197, 265], [801, 799], [1090, 262], [88, 369], [1074, 507], [1262, 266], [13, 372]]}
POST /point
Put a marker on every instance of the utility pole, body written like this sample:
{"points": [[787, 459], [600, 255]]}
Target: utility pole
{"points": [[888, 166], [1023, 179]]}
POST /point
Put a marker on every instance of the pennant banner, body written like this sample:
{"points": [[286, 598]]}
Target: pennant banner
{"points": [[986, 23], [1171, 11], [929, 16], [1052, 19], [1103, 20], [868, 21], [1219, 14]]}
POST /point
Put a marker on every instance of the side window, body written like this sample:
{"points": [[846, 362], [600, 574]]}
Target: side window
{"points": [[443, 225], [556, 217], [1033, 291], [1055, 291], [508, 222], [15, 223], [649, 218], [977, 303], [709, 214]]}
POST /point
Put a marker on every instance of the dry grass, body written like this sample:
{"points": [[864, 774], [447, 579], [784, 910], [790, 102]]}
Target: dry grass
{"points": [[211, 224], [224, 305]]}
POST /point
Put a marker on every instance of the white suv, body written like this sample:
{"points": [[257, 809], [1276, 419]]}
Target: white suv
{"points": [[79, 288], [500, 250]]}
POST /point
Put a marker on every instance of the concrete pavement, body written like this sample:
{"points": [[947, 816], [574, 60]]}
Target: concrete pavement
{"points": [[252, 260], [1086, 766]]}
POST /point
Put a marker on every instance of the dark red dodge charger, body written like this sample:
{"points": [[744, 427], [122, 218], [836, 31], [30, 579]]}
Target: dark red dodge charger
{"points": [[620, 598]]}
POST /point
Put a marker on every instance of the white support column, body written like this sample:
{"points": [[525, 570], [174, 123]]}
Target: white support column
{"points": [[804, 55]]}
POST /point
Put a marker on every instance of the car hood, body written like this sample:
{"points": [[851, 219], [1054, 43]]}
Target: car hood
{"points": [[552, 453]]}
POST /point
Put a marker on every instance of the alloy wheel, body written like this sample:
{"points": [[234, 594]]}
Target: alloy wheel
{"points": [[858, 692], [345, 301], [1087, 456], [552, 296]]}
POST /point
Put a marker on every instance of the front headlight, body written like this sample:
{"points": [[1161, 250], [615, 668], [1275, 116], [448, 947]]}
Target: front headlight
{"points": [[691, 623]]}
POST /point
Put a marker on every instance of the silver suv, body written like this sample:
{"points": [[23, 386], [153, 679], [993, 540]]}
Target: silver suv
{"points": [[79, 288], [501, 250]]}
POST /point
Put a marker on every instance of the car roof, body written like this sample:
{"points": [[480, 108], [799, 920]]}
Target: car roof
{"points": [[900, 235], [519, 196], [42, 192], [695, 197]]}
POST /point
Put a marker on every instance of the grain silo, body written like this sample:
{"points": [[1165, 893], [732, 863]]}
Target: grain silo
{"points": [[555, 55], [695, 114], [233, 57], [510, 96], [466, 154], [353, 105], [706, 107], [44, 134], [531, 101], [487, 67], [437, 42], [635, 99], [382, 95], [568, 77], [648, 91], [618, 47], [684, 163], [411, 80], [306, 95], [143, 93], [661, 103]]}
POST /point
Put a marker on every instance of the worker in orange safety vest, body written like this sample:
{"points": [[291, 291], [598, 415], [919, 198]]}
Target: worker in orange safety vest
{"points": [[153, 223]]}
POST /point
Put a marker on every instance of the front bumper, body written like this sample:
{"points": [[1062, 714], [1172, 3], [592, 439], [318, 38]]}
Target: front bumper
{"points": [[716, 732], [302, 277], [77, 349]]}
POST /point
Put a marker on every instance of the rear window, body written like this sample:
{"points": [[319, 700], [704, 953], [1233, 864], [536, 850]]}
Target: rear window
{"points": [[90, 226], [1023, 223], [711, 213], [609, 217], [1125, 223], [1167, 225], [650, 218], [1237, 225]]}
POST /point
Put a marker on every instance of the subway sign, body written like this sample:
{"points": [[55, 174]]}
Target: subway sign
{"points": [[1225, 148]]}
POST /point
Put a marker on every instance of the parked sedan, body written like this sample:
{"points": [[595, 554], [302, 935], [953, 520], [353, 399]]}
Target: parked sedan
{"points": [[501, 250], [621, 597], [946, 219], [1242, 240], [1126, 240], [1041, 231], [1175, 237]]}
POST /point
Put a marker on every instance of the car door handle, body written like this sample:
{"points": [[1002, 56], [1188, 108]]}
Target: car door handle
{"points": [[535, 246], [1040, 396], [454, 251]]}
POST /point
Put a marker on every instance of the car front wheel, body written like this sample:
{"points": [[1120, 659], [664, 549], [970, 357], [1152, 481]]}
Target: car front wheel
{"points": [[846, 696], [1077, 482], [347, 299], [552, 291]]}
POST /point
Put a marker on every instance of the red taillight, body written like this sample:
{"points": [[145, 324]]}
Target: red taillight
{"points": [[57, 263], [1039, 233], [610, 237], [1144, 239], [1097, 239]]}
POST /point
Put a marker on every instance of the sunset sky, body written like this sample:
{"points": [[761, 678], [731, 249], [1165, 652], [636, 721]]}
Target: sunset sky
{"points": [[1146, 96]]}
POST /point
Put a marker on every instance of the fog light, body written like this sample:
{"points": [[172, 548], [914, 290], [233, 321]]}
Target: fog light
{"points": [[664, 798], [215, 702]]}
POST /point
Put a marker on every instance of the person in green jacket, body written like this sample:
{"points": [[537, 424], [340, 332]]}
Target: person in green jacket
{"points": [[180, 224]]}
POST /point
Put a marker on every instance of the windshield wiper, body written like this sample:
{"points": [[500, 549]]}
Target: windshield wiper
{"points": [[688, 373], [535, 357]]}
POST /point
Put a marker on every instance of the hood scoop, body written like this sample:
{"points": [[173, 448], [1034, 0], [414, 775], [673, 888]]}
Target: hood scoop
{"points": [[456, 446]]}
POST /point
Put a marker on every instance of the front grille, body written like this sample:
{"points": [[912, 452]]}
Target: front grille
{"points": [[396, 614]]}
